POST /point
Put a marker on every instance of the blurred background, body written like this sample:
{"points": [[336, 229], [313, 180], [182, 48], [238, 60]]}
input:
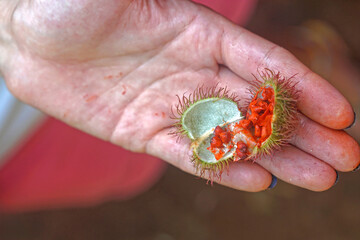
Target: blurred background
{"points": [[325, 35]]}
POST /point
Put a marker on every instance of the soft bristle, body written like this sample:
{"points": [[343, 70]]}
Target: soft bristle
{"points": [[214, 170], [200, 93]]}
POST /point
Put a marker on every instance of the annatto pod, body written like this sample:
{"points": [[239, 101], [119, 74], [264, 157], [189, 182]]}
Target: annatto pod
{"points": [[222, 133]]}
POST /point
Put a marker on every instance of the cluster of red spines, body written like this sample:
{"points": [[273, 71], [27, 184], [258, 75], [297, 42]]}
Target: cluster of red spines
{"points": [[260, 113], [221, 137], [241, 152], [256, 126]]}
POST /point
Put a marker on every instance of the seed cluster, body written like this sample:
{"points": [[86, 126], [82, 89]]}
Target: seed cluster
{"points": [[254, 129]]}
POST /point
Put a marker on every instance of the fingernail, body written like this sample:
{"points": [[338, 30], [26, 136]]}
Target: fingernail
{"points": [[353, 123], [273, 182], [337, 178], [357, 168]]}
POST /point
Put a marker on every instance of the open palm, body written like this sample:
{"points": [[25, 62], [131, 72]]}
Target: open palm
{"points": [[113, 69]]}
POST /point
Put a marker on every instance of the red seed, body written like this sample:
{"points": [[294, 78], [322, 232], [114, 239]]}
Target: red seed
{"points": [[218, 130], [263, 104], [263, 133], [216, 142], [241, 146], [245, 123], [266, 121], [257, 132], [266, 94], [225, 137], [218, 154], [240, 156], [257, 109], [241, 151], [253, 117], [271, 107]]}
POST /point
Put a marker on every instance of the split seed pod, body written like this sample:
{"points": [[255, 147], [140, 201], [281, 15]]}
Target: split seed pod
{"points": [[222, 133]]}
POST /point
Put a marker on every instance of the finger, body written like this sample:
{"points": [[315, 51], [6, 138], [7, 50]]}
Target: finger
{"points": [[299, 168], [334, 147], [245, 53], [242, 176]]}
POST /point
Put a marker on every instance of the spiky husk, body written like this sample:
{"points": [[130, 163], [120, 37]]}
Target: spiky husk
{"points": [[214, 170], [285, 115], [199, 93]]}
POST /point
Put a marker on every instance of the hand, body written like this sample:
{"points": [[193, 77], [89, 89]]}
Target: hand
{"points": [[113, 69]]}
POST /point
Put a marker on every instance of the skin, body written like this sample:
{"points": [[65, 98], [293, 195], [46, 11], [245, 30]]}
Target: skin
{"points": [[113, 69]]}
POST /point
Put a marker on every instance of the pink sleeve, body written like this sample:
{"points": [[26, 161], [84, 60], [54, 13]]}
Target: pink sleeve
{"points": [[61, 166], [238, 11]]}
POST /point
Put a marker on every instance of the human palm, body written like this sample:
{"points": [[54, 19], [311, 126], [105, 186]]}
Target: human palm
{"points": [[113, 69]]}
